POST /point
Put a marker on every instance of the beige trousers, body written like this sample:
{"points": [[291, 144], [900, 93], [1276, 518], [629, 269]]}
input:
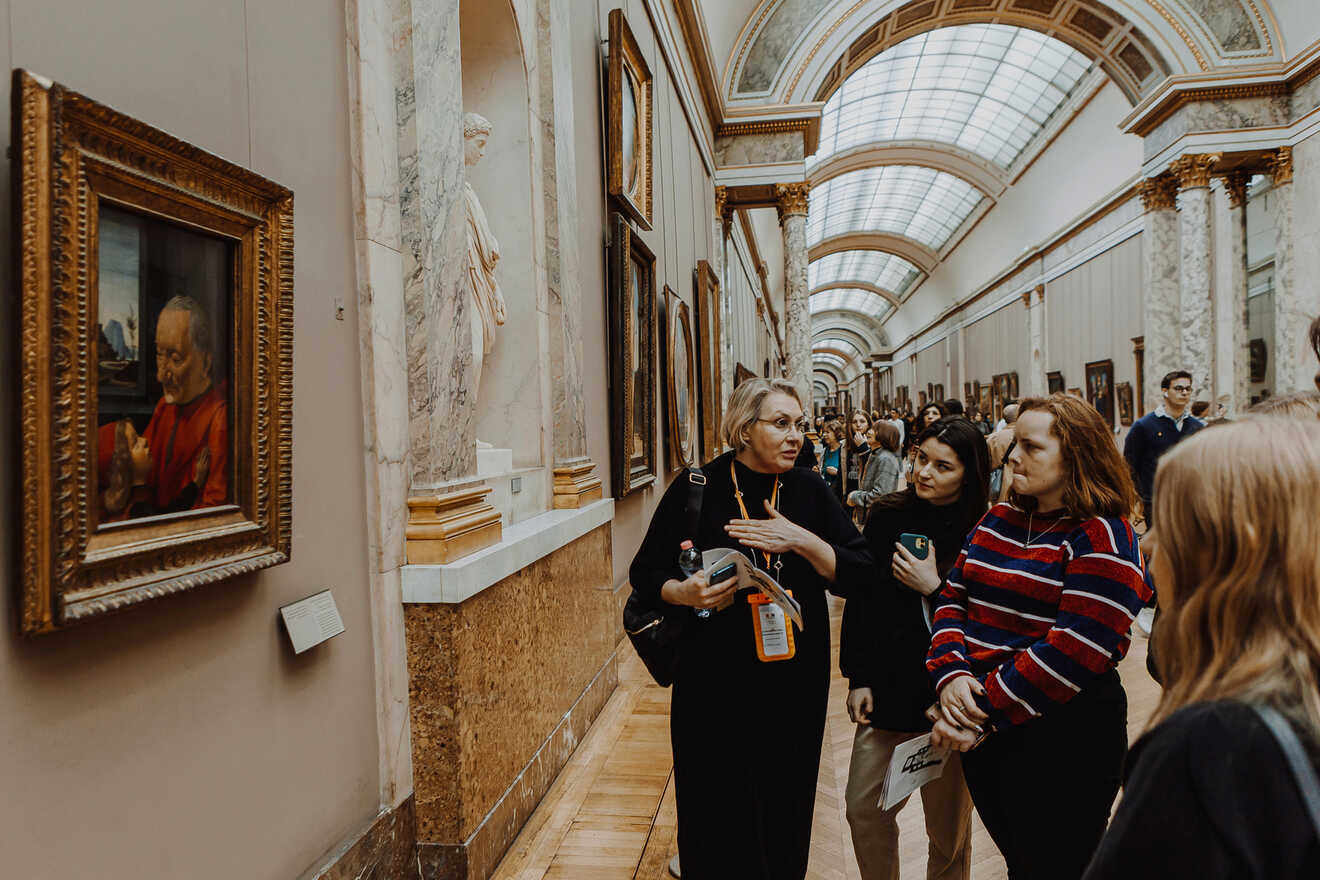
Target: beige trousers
{"points": [[947, 805]]}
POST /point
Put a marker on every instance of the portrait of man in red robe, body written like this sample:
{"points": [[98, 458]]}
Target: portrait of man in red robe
{"points": [[189, 430]]}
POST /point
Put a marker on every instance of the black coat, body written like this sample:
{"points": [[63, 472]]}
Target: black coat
{"points": [[884, 637], [747, 735]]}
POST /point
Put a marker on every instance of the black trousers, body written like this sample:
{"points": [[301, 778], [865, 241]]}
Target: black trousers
{"points": [[1044, 789]]}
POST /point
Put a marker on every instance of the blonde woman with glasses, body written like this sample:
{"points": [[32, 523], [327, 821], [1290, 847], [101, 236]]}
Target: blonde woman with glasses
{"points": [[1210, 792], [747, 717]]}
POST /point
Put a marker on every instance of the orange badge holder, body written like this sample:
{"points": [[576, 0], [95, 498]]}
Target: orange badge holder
{"points": [[774, 631]]}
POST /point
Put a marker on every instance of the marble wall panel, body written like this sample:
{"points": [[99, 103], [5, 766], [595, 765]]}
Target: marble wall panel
{"points": [[1226, 115], [477, 723], [759, 149], [1306, 97], [1296, 269], [1161, 305], [797, 315], [1196, 308]]}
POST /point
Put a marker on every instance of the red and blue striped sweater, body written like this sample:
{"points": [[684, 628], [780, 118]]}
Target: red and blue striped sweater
{"points": [[1036, 617]]}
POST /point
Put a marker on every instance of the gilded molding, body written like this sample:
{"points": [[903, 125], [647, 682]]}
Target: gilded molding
{"points": [[791, 199], [1159, 193], [445, 528], [1235, 184], [1194, 171], [575, 484], [722, 209], [1280, 165]]}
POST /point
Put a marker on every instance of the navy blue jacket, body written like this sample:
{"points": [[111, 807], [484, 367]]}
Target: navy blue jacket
{"points": [[1147, 440]]}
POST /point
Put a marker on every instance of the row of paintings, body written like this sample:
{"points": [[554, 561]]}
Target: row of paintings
{"points": [[688, 359]]}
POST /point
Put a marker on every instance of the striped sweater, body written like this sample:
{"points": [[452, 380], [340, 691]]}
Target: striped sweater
{"points": [[1036, 618]]}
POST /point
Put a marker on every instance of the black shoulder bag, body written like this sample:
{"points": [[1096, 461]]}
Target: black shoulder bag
{"points": [[657, 630]]}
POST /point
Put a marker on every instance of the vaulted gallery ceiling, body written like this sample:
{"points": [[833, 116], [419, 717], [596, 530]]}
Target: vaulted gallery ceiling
{"points": [[931, 109]]}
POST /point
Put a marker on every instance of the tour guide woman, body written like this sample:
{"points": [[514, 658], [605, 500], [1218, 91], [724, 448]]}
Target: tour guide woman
{"points": [[747, 733], [1028, 630]]}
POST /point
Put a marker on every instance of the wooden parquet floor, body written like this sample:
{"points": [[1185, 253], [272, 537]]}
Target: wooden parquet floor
{"points": [[610, 815]]}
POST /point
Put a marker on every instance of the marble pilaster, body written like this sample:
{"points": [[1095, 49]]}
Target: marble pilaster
{"points": [[429, 111], [1034, 300], [1232, 361], [1160, 271], [1294, 364], [797, 317], [1196, 255]]}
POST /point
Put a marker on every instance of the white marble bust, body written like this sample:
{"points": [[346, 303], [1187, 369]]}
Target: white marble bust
{"points": [[488, 308]]}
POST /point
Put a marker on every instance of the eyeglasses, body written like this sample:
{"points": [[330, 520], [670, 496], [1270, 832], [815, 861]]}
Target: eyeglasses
{"points": [[1183, 389], [785, 426]]}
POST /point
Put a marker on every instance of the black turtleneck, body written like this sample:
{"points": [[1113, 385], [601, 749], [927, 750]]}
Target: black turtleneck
{"points": [[884, 636]]}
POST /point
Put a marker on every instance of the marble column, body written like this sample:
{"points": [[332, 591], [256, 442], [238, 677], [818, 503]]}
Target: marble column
{"points": [[1160, 271], [1034, 300], [723, 224], [575, 480], [429, 111], [792, 204], [1232, 367], [1196, 255], [1294, 364]]}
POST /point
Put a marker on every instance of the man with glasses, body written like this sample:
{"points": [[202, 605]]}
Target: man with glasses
{"points": [[1157, 432]]}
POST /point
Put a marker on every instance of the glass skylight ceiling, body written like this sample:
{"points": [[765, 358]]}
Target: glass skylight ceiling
{"points": [[891, 272], [920, 203], [832, 359], [983, 87], [839, 343], [851, 300]]}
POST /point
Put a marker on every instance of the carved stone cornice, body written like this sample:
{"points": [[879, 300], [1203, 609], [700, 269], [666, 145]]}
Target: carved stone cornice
{"points": [[1235, 184], [1159, 193], [1280, 166], [791, 199], [1194, 171]]}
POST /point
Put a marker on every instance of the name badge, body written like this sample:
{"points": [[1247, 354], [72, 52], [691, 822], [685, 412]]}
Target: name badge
{"points": [[774, 633]]}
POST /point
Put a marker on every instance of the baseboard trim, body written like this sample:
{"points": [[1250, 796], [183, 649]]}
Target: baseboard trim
{"points": [[382, 849]]}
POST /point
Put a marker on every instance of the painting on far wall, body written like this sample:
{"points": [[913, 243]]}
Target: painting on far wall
{"points": [[1100, 388], [157, 286], [680, 387], [1054, 382], [632, 361], [709, 358], [939, 393], [1124, 390], [629, 114], [985, 399]]}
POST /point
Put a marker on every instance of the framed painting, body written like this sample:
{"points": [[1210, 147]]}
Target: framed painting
{"points": [[985, 397], [741, 374], [1100, 388], [1054, 382], [922, 398], [1124, 390], [939, 393], [1013, 386], [632, 361], [969, 398], [629, 114], [709, 361], [680, 383], [156, 361], [1001, 385]]}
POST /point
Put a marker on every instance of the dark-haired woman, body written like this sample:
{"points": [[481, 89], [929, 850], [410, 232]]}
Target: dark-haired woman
{"points": [[883, 650], [1029, 629], [929, 415]]}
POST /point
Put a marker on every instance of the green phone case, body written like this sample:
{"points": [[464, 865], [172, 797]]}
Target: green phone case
{"points": [[917, 545]]}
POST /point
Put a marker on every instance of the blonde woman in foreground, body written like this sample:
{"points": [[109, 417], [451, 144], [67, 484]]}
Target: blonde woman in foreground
{"points": [[1209, 791]]}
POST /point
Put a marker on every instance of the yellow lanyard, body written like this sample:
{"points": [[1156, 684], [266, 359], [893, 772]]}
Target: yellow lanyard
{"points": [[737, 493]]}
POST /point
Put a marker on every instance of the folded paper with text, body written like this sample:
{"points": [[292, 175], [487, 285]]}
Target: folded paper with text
{"points": [[915, 763], [750, 578]]}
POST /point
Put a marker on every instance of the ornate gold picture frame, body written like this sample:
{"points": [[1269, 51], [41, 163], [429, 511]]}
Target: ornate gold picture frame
{"points": [[681, 383], [156, 361], [710, 359], [629, 113], [632, 361]]}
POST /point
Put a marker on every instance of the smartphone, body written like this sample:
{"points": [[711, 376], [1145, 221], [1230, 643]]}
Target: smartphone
{"points": [[917, 545], [722, 574]]}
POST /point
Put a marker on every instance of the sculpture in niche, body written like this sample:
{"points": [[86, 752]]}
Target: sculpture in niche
{"points": [[483, 250]]}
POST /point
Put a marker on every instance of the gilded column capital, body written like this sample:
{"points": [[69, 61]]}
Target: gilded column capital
{"points": [[1194, 171], [791, 199], [1235, 184], [722, 209], [1280, 164], [1159, 193]]}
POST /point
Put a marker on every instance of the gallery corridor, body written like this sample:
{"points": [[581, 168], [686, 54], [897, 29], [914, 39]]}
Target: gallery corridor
{"points": [[610, 815]]}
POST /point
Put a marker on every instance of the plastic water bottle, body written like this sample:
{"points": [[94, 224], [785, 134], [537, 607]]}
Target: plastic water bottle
{"points": [[689, 562]]}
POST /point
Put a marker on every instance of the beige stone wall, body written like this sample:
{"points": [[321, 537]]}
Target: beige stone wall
{"points": [[183, 738]]}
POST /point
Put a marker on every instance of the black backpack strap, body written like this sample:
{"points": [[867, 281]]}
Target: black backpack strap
{"points": [[696, 490], [1298, 761]]}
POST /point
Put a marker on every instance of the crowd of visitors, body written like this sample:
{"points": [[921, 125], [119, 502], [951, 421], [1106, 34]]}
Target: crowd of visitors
{"points": [[990, 596]]}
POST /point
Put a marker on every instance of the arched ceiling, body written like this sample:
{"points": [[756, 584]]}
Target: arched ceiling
{"points": [[920, 204], [865, 325], [884, 270], [852, 336], [851, 299]]}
